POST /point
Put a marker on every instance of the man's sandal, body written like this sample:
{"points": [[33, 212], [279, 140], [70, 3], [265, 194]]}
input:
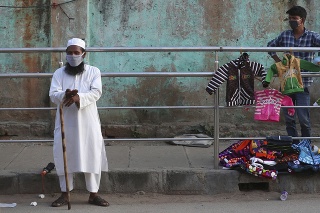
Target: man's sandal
{"points": [[61, 201], [98, 201]]}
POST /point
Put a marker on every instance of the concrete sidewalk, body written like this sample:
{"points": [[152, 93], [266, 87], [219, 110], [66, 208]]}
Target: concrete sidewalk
{"points": [[136, 167]]}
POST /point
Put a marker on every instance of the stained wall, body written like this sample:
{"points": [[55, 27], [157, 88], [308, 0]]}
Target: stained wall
{"points": [[142, 23]]}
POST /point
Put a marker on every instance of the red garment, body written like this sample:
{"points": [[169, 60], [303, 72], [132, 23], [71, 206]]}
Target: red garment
{"points": [[268, 104]]}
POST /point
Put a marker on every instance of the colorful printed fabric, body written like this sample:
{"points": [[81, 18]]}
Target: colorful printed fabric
{"points": [[254, 157], [288, 158], [305, 153], [259, 149], [242, 153], [260, 171], [235, 154], [296, 166], [233, 162]]}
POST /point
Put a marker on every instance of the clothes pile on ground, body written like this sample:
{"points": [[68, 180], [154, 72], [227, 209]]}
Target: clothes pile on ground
{"points": [[267, 158]]}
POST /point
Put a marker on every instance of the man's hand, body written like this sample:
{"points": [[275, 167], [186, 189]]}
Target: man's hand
{"points": [[276, 58], [70, 93], [265, 84], [71, 97]]}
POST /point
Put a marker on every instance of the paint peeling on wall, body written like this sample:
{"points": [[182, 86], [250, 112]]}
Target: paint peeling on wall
{"points": [[28, 26], [148, 23]]}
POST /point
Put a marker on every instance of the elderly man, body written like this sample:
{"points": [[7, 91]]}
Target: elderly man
{"points": [[77, 86]]}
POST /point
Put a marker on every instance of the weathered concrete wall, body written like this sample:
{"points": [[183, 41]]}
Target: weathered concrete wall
{"points": [[111, 23], [27, 25]]}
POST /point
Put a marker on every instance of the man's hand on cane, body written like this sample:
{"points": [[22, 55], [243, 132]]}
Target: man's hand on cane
{"points": [[71, 97]]}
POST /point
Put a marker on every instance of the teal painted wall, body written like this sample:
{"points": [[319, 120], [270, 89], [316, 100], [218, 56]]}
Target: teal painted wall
{"points": [[146, 23], [177, 23], [24, 24]]}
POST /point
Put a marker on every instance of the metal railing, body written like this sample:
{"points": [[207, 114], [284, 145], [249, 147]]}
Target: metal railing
{"points": [[215, 106]]}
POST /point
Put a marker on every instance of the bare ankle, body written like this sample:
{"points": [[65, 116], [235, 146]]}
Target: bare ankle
{"points": [[65, 194], [93, 194]]}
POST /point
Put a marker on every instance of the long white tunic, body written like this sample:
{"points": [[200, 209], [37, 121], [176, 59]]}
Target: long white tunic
{"points": [[84, 141]]}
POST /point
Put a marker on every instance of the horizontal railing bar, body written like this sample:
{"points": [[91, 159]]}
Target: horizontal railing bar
{"points": [[113, 139], [124, 107], [134, 74], [35, 108], [165, 49], [26, 75], [253, 106], [156, 139], [264, 138], [26, 141], [201, 49], [158, 74], [157, 107], [269, 49], [170, 139], [116, 74]]}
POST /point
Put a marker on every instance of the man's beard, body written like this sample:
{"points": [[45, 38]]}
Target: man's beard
{"points": [[74, 70]]}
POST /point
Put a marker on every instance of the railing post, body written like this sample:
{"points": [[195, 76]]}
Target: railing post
{"points": [[61, 62], [216, 119]]}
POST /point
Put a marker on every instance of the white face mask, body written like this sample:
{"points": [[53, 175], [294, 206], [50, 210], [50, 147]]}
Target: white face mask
{"points": [[74, 60]]}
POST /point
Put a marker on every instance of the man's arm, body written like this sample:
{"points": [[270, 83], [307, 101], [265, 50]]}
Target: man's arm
{"points": [[56, 93], [95, 91], [276, 58], [306, 65], [275, 43], [270, 73], [316, 40], [316, 43]]}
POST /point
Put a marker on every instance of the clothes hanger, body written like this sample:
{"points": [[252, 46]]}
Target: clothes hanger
{"points": [[288, 55], [266, 88], [244, 57], [270, 87]]}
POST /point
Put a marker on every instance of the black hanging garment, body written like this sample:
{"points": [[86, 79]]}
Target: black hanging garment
{"points": [[239, 74]]}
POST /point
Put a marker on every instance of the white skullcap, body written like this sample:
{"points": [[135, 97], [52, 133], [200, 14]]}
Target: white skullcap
{"points": [[316, 60], [77, 41]]}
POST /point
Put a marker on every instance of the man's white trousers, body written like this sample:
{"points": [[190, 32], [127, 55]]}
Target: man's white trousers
{"points": [[92, 182]]}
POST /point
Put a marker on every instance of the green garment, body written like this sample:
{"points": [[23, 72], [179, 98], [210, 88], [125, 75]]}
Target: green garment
{"points": [[288, 71]]}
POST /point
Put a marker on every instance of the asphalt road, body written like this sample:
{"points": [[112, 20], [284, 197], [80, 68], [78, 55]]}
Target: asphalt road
{"points": [[246, 202]]}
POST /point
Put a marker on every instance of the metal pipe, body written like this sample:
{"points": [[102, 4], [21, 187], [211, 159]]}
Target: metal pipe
{"points": [[155, 107], [124, 107], [113, 139], [133, 74], [161, 74], [263, 138], [166, 49], [216, 119], [156, 139], [115, 74], [61, 62]]}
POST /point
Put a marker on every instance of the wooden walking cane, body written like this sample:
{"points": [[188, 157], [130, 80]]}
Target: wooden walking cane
{"points": [[64, 150]]}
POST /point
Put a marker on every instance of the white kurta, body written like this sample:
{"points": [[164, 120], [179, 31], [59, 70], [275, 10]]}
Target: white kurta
{"points": [[84, 141]]}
